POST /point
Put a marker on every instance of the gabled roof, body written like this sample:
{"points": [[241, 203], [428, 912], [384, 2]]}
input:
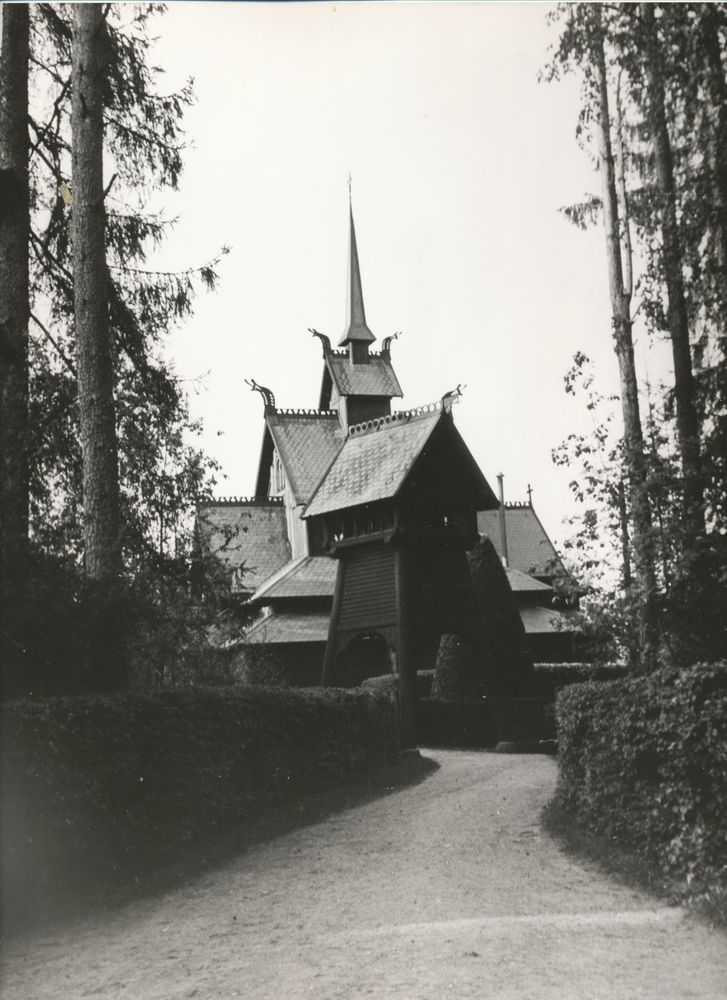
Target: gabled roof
{"points": [[528, 547], [307, 442], [250, 536], [378, 456], [372, 466], [311, 576], [376, 378], [539, 620], [522, 583], [289, 627]]}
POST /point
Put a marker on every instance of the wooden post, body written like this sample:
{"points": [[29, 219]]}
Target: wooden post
{"points": [[406, 653], [329, 662]]}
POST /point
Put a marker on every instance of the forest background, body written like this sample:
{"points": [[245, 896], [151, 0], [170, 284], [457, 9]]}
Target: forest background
{"points": [[651, 476]]}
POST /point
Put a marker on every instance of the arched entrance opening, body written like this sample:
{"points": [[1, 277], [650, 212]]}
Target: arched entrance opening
{"points": [[367, 655]]}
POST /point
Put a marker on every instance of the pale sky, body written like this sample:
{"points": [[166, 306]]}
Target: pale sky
{"points": [[460, 161]]}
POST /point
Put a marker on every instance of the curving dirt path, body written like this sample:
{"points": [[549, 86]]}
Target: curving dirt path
{"points": [[444, 888]]}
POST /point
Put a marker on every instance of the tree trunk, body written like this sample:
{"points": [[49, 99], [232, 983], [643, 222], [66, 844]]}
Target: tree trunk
{"points": [[93, 349], [716, 112], [14, 293], [624, 348], [678, 320]]}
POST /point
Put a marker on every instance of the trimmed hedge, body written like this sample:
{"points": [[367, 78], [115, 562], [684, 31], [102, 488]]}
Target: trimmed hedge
{"points": [[644, 760], [131, 771], [528, 722], [549, 677], [458, 673]]}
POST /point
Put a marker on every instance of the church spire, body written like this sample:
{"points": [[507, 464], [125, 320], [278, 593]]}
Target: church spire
{"points": [[357, 332]]}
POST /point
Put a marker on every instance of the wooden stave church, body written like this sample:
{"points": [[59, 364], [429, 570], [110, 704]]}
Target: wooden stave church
{"points": [[280, 545]]}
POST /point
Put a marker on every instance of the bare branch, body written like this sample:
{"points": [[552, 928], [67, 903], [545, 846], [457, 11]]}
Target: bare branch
{"points": [[109, 185], [68, 363]]}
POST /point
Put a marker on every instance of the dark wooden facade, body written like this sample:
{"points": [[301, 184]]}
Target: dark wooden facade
{"points": [[403, 577]]}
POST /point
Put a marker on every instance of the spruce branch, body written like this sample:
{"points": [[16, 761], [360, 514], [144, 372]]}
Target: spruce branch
{"points": [[49, 336]]}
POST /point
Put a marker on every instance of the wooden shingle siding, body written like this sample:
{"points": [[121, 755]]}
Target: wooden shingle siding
{"points": [[370, 593]]}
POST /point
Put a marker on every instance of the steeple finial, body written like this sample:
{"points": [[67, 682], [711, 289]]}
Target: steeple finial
{"points": [[356, 328]]}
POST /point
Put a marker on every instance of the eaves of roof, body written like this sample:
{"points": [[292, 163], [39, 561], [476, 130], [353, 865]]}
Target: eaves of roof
{"points": [[284, 627], [374, 462], [307, 442], [310, 576], [539, 621], [376, 378]]}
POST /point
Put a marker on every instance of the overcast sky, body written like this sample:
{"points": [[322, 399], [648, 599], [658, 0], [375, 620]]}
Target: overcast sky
{"points": [[460, 161]]}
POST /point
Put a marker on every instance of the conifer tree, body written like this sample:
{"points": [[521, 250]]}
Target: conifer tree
{"points": [[14, 294], [160, 471], [101, 517]]}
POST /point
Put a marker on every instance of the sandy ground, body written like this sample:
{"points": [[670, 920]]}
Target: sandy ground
{"points": [[442, 888]]}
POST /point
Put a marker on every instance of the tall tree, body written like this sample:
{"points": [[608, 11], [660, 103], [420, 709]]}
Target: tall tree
{"points": [[161, 472], [669, 61], [618, 243], [583, 43], [14, 294], [102, 543], [672, 262]]}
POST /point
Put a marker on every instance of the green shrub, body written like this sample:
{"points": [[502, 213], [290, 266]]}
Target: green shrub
{"points": [[551, 676], [458, 674], [120, 773], [263, 665], [503, 625], [461, 673], [644, 760], [387, 684]]}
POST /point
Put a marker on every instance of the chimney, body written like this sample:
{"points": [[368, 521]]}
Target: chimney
{"points": [[503, 528]]}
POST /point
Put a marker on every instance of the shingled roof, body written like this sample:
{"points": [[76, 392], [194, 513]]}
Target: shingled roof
{"points": [[289, 627], [311, 576], [373, 464], [376, 378], [307, 442], [522, 583], [538, 620], [246, 535], [378, 456], [528, 547]]}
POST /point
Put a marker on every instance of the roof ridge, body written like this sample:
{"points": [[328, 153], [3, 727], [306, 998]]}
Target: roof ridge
{"points": [[398, 417], [276, 577], [269, 501], [302, 412]]}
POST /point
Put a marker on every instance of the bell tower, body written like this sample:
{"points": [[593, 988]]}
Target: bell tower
{"points": [[357, 382], [357, 335]]}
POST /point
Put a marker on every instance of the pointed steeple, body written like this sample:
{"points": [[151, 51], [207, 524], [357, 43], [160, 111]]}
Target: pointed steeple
{"points": [[356, 329]]}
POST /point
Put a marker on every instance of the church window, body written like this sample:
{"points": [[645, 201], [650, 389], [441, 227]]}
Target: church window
{"points": [[279, 473]]}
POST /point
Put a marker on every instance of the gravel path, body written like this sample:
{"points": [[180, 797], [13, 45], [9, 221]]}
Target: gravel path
{"points": [[444, 888]]}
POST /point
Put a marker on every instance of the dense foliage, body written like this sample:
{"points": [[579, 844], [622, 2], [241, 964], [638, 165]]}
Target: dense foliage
{"points": [[162, 470], [118, 777], [459, 672], [549, 677], [643, 760], [654, 100]]}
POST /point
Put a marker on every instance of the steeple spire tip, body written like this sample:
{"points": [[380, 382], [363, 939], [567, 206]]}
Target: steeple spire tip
{"points": [[356, 327]]}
